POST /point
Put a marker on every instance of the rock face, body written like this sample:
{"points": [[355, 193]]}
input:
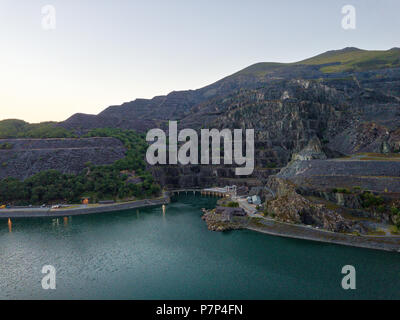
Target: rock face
{"points": [[312, 151], [219, 220], [30, 156], [291, 207], [202, 176], [299, 111], [348, 110], [327, 174]]}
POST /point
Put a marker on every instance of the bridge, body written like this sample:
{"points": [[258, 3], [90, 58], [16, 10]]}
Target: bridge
{"points": [[215, 191]]}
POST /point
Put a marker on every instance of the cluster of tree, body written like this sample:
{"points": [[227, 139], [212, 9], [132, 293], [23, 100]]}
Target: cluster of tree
{"points": [[20, 129], [232, 204], [51, 186], [96, 182], [6, 146]]}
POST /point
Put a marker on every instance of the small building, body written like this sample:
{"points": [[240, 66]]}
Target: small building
{"points": [[85, 200], [256, 200], [231, 212]]}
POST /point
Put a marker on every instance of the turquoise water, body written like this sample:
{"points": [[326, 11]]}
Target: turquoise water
{"points": [[143, 254]]}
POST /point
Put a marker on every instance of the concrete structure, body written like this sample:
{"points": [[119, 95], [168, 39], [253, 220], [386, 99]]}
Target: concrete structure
{"points": [[256, 200], [79, 209], [228, 213], [228, 191]]}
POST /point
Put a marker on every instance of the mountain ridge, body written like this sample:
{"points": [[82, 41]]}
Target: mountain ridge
{"points": [[143, 114]]}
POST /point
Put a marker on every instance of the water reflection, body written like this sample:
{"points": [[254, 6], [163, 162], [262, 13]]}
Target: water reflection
{"points": [[55, 222], [9, 225]]}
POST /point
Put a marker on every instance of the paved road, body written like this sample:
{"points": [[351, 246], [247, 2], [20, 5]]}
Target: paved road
{"points": [[250, 209], [79, 210]]}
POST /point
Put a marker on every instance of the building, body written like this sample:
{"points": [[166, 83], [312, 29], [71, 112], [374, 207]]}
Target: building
{"points": [[256, 200], [228, 213]]}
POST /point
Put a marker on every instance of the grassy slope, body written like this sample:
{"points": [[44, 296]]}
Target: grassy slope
{"points": [[353, 59], [348, 59], [13, 128]]}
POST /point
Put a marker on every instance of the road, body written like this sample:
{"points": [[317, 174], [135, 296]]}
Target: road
{"points": [[249, 208]]}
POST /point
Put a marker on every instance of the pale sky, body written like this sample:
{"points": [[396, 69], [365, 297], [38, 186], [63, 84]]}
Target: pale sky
{"points": [[105, 52]]}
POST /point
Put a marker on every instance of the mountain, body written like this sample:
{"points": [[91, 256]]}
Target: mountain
{"points": [[349, 99], [13, 128], [143, 114], [327, 134]]}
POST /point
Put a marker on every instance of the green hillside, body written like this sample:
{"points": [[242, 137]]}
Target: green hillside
{"points": [[13, 128], [261, 69], [353, 59], [345, 60]]}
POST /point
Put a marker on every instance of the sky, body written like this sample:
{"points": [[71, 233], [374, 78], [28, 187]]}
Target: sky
{"points": [[103, 52]]}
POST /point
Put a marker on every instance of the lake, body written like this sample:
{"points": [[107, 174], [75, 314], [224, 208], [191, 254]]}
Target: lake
{"points": [[145, 254]]}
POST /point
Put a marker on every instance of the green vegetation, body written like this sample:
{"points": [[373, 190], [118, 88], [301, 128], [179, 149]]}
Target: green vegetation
{"points": [[370, 200], [395, 230], [266, 213], [96, 182], [377, 232], [346, 60], [395, 211], [6, 146], [232, 204], [20, 129], [341, 190], [135, 144], [353, 60], [261, 69]]}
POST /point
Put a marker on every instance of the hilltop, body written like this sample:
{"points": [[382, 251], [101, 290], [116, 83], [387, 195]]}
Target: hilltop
{"points": [[143, 114]]}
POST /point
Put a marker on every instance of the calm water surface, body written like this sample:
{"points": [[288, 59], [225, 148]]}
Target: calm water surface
{"points": [[143, 254]]}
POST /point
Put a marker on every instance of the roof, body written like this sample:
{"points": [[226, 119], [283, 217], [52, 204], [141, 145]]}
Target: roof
{"points": [[231, 211]]}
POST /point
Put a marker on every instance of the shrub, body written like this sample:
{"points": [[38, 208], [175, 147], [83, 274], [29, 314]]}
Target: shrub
{"points": [[371, 200], [99, 183], [6, 146], [395, 211], [341, 190], [232, 204]]}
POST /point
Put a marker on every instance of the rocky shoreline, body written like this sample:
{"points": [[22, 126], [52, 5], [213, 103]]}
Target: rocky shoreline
{"points": [[275, 228], [216, 222]]}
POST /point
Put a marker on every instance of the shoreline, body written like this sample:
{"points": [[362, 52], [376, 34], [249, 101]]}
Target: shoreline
{"points": [[269, 227], [274, 228], [82, 210], [302, 232]]}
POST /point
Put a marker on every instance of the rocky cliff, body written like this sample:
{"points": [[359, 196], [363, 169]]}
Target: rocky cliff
{"points": [[349, 99], [26, 157]]}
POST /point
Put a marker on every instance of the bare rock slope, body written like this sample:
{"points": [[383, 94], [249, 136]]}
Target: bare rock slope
{"points": [[26, 157]]}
